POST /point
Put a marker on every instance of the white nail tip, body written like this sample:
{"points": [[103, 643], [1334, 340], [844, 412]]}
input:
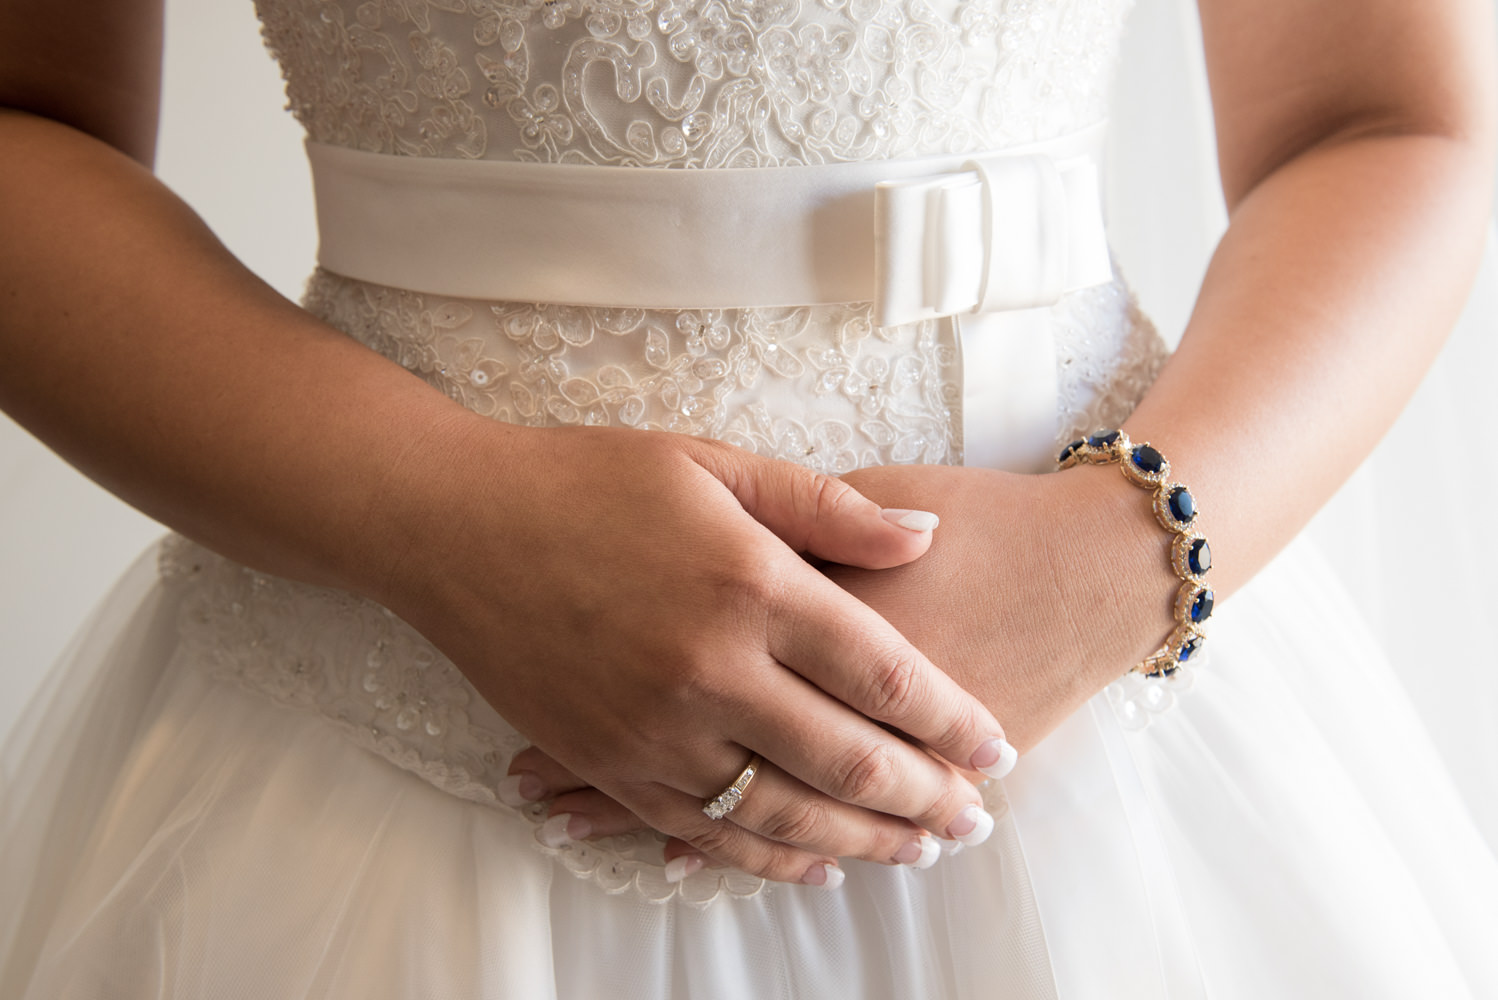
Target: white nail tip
{"points": [[982, 827], [912, 520], [930, 854], [508, 791], [553, 833], [679, 868], [835, 877], [1008, 757]]}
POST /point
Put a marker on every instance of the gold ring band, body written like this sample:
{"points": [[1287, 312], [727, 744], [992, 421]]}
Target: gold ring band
{"points": [[728, 799]]}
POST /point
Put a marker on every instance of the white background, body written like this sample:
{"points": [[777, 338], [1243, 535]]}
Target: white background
{"points": [[229, 148]]}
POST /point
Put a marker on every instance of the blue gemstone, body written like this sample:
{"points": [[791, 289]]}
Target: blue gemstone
{"points": [[1169, 671], [1199, 559], [1148, 460], [1182, 505], [1191, 646], [1071, 450], [1103, 439], [1201, 608]]}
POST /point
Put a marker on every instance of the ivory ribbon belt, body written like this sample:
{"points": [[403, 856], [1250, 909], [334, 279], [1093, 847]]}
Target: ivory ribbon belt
{"points": [[986, 242]]}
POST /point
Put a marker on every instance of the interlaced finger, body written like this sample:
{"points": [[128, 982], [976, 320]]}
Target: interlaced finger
{"points": [[848, 651]]}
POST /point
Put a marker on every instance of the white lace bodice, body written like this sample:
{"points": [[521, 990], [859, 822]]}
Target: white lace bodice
{"points": [[668, 83], [693, 83]]}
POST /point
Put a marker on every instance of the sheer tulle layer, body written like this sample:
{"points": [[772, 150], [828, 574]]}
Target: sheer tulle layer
{"points": [[1284, 830]]}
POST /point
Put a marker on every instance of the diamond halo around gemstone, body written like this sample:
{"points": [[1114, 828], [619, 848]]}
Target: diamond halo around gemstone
{"points": [[1175, 509]]}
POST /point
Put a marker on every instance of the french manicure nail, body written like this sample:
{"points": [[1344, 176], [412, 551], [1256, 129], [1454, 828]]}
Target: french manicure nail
{"points": [[563, 829], [920, 853], [520, 790], [679, 868], [971, 826], [995, 757], [911, 520], [823, 876]]}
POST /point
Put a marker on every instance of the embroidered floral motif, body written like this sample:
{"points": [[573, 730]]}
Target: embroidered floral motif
{"points": [[817, 385], [692, 83], [667, 83], [391, 692]]}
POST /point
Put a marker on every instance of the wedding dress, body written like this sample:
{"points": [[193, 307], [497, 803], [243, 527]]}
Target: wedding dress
{"points": [[241, 785]]}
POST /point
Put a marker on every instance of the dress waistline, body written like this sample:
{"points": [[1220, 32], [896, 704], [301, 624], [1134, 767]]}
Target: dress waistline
{"points": [[986, 240], [911, 235]]}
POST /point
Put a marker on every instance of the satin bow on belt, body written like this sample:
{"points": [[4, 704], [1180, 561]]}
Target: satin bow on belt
{"points": [[986, 246], [1003, 233], [985, 243]]}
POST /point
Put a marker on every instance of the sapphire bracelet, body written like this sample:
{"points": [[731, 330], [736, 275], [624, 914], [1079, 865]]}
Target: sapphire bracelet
{"points": [[1175, 509]]}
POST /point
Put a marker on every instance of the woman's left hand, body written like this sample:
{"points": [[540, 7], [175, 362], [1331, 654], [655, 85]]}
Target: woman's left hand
{"points": [[1036, 592]]}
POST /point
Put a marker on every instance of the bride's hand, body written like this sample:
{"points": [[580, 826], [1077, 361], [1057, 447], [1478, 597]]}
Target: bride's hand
{"points": [[622, 598], [1039, 591], [1036, 592]]}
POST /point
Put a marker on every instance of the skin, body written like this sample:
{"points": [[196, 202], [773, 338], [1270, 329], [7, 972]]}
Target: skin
{"points": [[1356, 143], [1357, 148], [550, 565]]}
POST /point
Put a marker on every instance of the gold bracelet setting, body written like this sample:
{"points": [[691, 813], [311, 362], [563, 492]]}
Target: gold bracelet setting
{"points": [[1175, 509]]}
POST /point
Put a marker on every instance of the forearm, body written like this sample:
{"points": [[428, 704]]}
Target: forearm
{"points": [[1331, 292], [133, 344]]}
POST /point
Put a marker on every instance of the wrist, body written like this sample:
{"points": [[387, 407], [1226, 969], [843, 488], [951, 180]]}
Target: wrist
{"points": [[442, 470], [1123, 583], [1173, 508]]}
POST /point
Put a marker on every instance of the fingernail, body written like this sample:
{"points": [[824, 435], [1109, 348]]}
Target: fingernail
{"points": [[823, 876], [911, 520], [971, 826], [521, 789], [995, 758], [563, 829], [679, 868], [920, 853]]}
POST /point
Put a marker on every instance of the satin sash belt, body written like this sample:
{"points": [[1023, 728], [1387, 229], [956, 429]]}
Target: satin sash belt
{"points": [[986, 240]]}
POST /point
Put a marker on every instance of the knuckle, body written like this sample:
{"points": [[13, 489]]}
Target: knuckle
{"points": [[750, 583], [717, 841], [806, 824], [958, 730], [784, 864], [729, 844], [896, 685], [864, 774], [831, 497], [750, 592], [950, 797]]}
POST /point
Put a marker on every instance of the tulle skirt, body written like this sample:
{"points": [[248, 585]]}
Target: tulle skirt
{"points": [[1278, 826]]}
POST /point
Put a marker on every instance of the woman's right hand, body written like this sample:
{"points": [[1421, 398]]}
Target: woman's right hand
{"points": [[614, 593], [634, 603]]}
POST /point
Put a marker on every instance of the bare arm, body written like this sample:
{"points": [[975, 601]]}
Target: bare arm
{"points": [[550, 565], [1357, 143], [1357, 150]]}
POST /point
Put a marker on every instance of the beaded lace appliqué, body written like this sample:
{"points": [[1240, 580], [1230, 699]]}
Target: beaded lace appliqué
{"points": [[667, 83], [693, 83], [391, 692], [816, 385]]}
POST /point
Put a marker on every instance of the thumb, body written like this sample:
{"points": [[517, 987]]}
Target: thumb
{"points": [[820, 515]]}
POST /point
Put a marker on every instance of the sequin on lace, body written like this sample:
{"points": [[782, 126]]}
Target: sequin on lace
{"points": [[672, 83], [693, 83], [391, 692]]}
